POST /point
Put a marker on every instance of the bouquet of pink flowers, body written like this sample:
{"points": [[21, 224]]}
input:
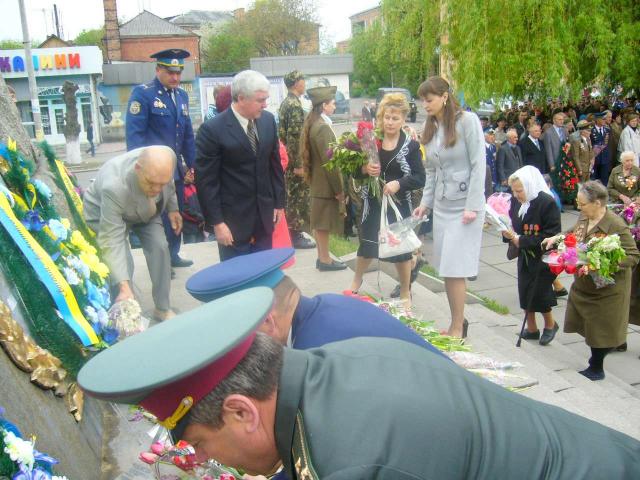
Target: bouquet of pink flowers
{"points": [[599, 258], [497, 211]]}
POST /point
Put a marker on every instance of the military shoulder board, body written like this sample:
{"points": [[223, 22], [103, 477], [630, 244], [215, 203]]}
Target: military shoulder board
{"points": [[301, 453]]}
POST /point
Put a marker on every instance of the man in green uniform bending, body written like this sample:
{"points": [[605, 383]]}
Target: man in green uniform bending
{"points": [[365, 408]]}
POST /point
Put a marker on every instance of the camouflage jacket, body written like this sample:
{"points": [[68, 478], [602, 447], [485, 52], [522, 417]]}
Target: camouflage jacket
{"points": [[291, 117]]}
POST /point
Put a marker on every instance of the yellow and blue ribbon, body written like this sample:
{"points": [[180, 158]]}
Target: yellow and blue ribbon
{"points": [[48, 273]]}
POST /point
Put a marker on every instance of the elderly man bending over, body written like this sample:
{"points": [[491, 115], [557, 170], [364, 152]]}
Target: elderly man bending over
{"points": [[130, 192]]}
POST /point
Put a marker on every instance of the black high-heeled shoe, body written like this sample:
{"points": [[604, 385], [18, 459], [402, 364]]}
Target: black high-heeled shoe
{"points": [[465, 328]]}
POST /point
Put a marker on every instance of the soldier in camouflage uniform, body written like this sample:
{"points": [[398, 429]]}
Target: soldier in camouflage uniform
{"points": [[291, 117]]}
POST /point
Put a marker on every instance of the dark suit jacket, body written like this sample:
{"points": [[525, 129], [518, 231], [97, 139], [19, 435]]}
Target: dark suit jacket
{"points": [[531, 155], [236, 186], [508, 161]]}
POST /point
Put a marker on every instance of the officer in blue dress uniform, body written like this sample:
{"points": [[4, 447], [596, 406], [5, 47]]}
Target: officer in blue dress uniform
{"points": [[600, 140], [158, 114], [295, 320]]}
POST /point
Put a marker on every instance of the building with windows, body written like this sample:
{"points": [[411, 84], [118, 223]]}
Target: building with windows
{"points": [[80, 65]]}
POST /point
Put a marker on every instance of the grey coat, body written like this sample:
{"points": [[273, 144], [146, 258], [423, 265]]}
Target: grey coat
{"points": [[384, 409], [457, 172], [508, 161], [552, 145], [114, 202]]}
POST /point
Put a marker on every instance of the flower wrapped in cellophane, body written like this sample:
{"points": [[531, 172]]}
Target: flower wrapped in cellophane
{"points": [[351, 151], [599, 258], [497, 211]]}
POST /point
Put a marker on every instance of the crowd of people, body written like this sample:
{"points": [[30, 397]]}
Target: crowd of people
{"points": [[235, 390]]}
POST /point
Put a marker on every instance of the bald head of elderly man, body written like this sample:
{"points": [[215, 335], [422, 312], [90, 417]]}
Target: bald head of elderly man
{"points": [[129, 193]]}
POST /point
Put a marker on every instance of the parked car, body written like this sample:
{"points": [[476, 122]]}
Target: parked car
{"points": [[413, 108]]}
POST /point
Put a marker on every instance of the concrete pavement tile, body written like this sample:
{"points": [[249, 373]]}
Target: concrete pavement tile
{"points": [[489, 278], [509, 267], [494, 254], [490, 238], [507, 296]]}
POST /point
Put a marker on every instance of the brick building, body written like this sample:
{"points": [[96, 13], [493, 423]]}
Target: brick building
{"points": [[359, 21], [147, 33]]}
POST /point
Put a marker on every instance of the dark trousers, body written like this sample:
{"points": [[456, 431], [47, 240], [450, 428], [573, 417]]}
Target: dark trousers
{"points": [[601, 172], [92, 148], [174, 240], [596, 362], [261, 240]]}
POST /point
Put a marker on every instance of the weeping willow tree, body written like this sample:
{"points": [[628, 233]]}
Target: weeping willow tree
{"points": [[501, 48]]}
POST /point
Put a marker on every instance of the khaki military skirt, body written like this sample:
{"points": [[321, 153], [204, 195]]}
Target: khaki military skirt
{"points": [[325, 215]]}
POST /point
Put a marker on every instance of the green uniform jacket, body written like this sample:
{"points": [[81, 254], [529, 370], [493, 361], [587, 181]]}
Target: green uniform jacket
{"points": [[324, 183], [373, 408], [291, 119], [619, 184]]}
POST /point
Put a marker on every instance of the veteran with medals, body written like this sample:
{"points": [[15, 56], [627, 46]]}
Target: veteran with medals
{"points": [[158, 114], [364, 408]]}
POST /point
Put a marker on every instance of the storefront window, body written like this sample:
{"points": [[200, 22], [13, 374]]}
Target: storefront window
{"points": [[46, 120], [85, 103]]}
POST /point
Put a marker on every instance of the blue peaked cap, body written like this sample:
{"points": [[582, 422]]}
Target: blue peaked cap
{"points": [[260, 269]]}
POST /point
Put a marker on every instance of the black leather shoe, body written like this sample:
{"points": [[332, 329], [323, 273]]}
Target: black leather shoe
{"points": [[621, 348], [181, 262], [301, 242], [330, 267], [593, 375], [395, 293], [561, 293], [548, 334], [527, 335]]}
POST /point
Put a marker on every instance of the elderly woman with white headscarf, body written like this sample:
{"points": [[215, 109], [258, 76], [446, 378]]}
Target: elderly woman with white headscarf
{"points": [[535, 216]]}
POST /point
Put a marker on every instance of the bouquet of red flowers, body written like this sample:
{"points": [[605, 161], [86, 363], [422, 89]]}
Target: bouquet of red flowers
{"points": [[354, 150]]}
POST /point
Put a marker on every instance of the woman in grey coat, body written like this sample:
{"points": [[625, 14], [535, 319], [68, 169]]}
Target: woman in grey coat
{"points": [[454, 190]]}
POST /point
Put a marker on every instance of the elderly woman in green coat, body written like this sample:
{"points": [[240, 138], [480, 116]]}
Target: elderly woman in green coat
{"points": [[600, 315], [326, 191], [624, 181]]}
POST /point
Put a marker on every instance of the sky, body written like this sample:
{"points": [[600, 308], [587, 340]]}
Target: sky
{"points": [[78, 15]]}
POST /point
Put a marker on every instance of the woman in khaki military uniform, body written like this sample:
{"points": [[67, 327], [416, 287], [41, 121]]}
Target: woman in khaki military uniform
{"points": [[600, 315], [327, 192], [624, 181]]}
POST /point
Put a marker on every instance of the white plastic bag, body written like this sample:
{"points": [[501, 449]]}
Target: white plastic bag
{"points": [[396, 238]]}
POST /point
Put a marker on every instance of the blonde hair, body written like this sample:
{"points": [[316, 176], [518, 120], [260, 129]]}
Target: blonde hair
{"points": [[396, 101]]}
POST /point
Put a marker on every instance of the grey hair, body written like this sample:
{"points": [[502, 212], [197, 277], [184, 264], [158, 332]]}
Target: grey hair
{"points": [[256, 376], [511, 130], [628, 153], [247, 83], [594, 190]]}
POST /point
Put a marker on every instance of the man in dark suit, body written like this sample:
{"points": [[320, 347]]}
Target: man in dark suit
{"points": [[521, 126], [554, 139], [600, 134], [239, 176], [533, 149], [509, 158]]}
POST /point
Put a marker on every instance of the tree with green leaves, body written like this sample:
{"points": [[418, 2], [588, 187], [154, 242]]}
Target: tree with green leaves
{"points": [[10, 44], [512, 48], [226, 51], [280, 27], [91, 37]]}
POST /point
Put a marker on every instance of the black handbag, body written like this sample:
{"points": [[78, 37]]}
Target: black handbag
{"points": [[512, 251]]}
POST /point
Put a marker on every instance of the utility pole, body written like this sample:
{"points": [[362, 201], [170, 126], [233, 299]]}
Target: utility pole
{"points": [[55, 15], [33, 88]]}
